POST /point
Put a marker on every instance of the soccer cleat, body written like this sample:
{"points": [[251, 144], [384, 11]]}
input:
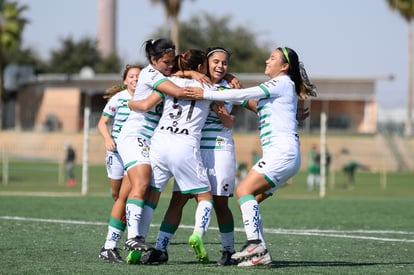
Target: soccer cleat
{"points": [[111, 255], [137, 243], [134, 257], [155, 257], [250, 249], [200, 252], [262, 259], [226, 258]]}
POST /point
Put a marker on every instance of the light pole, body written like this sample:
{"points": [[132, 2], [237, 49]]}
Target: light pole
{"points": [[408, 122]]}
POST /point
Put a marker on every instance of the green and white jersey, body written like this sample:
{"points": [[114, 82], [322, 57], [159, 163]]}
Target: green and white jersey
{"points": [[117, 109], [184, 118], [144, 123], [214, 134], [276, 107]]}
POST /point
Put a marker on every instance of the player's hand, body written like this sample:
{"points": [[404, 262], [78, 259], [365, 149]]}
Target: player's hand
{"points": [[233, 81], [202, 78], [218, 107], [194, 92], [110, 145]]}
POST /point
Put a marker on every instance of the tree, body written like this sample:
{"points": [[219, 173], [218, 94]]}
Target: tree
{"points": [[73, 56], [406, 10], [11, 27], [206, 30], [27, 56], [172, 10], [109, 64]]}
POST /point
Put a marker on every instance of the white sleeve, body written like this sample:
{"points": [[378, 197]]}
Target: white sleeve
{"points": [[235, 94]]}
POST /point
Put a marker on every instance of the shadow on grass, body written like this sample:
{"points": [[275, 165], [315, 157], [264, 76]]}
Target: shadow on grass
{"points": [[286, 264], [282, 264]]}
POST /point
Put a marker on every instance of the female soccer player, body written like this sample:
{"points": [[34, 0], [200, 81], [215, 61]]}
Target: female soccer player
{"points": [[214, 135], [116, 111], [277, 107], [217, 150], [135, 137], [175, 153]]}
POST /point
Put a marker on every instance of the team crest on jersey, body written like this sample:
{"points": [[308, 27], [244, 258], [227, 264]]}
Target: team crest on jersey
{"points": [[145, 152], [220, 141]]}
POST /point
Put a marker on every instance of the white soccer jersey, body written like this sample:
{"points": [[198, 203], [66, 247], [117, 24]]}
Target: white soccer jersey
{"points": [[184, 117], [144, 123], [214, 134], [135, 137], [277, 104], [175, 144], [276, 108], [117, 109]]}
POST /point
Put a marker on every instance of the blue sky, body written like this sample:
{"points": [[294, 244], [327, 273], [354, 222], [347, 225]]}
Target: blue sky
{"points": [[334, 38]]}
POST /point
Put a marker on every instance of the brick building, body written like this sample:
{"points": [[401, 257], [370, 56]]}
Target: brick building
{"points": [[57, 102]]}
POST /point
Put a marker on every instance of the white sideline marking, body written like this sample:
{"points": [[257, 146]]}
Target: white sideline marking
{"points": [[305, 232]]}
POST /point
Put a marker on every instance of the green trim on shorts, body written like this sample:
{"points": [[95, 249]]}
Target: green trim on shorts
{"points": [[155, 188], [246, 198], [168, 227], [118, 224], [269, 181], [195, 191], [129, 164], [212, 147], [135, 201]]}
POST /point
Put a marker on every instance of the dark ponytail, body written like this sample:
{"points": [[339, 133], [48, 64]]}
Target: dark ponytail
{"points": [[297, 73], [157, 48]]}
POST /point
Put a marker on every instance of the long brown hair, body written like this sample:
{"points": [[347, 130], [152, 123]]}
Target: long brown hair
{"points": [[189, 60], [110, 92]]}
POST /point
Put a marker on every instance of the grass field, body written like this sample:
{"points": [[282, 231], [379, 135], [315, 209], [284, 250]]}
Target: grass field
{"points": [[367, 230]]}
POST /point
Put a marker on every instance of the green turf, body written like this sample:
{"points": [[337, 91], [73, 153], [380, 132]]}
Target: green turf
{"points": [[367, 230], [47, 177], [341, 244]]}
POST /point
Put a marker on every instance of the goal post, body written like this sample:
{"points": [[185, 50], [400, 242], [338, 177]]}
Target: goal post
{"points": [[322, 189]]}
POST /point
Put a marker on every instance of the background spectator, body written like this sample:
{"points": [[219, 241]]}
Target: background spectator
{"points": [[70, 164], [349, 173], [314, 170]]}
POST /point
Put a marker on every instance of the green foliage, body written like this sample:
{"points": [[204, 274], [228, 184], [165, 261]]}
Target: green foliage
{"points": [[405, 8], [171, 7], [74, 55], [12, 24], [110, 64], [206, 30], [27, 56]]}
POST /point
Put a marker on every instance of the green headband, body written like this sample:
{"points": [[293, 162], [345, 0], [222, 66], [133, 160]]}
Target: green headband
{"points": [[285, 53]]}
